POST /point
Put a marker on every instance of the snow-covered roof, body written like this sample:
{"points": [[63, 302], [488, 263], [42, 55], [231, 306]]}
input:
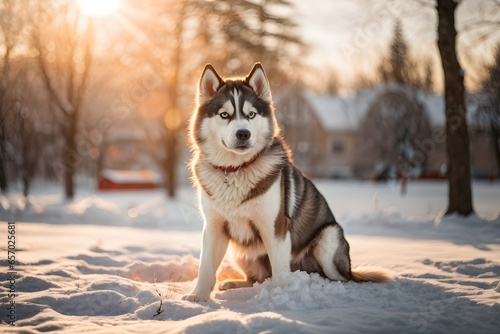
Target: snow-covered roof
{"points": [[345, 113], [334, 112], [434, 105]]}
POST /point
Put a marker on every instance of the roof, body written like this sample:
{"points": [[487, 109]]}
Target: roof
{"points": [[131, 176], [434, 104], [334, 112], [345, 113]]}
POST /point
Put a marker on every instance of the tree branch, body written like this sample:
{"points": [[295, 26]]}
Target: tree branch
{"points": [[428, 4], [87, 59], [49, 85]]}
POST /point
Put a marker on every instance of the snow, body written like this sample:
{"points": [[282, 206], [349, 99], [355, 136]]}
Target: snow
{"points": [[89, 266], [434, 104], [345, 113], [335, 113]]}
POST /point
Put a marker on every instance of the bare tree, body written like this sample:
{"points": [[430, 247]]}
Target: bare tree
{"points": [[457, 136], [32, 125], [164, 143], [64, 44], [394, 125], [11, 26], [27, 140], [198, 32], [261, 28]]}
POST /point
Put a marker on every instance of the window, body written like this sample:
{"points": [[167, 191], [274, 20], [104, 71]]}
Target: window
{"points": [[338, 147]]}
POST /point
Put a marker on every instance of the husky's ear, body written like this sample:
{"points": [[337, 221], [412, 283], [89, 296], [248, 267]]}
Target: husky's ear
{"points": [[258, 81], [210, 82]]}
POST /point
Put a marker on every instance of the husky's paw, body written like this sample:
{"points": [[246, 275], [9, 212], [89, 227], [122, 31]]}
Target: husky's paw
{"points": [[277, 280], [196, 297], [228, 285]]}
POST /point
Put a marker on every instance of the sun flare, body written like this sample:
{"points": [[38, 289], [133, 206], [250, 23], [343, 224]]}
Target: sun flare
{"points": [[98, 7]]}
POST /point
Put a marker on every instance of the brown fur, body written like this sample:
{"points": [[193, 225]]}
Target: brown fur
{"points": [[282, 223], [262, 187], [370, 274]]}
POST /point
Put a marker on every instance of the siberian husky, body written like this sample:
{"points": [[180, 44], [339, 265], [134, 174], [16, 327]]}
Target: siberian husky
{"points": [[253, 196]]}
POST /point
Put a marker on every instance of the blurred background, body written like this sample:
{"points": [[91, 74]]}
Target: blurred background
{"points": [[99, 93]]}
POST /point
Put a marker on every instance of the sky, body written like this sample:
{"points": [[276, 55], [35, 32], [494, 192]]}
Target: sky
{"points": [[349, 36]]}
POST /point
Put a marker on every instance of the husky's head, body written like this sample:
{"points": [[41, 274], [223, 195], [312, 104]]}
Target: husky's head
{"points": [[234, 118]]}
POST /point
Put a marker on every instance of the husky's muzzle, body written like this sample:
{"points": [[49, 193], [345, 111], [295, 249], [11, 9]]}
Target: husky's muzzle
{"points": [[243, 136], [240, 141]]}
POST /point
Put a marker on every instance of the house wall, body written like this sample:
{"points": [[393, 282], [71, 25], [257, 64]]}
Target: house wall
{"points": [[340, 154], [435, 165], [483, 161]]}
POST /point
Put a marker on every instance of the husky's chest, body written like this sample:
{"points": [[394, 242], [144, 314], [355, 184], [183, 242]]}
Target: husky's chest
{"points": [[232, 190], [248, 206]]}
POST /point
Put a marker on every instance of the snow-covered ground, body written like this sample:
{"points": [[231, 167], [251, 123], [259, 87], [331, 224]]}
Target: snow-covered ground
{"points": [[118, 262]]}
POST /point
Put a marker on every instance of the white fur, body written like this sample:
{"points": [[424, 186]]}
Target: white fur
{"points": [[214, 246], [228, 196], [247, 108], [236, 96], [325, 251], [226, 203], [227, 131], [292, 198], [215, 130], [279, 251], [225, 206]]}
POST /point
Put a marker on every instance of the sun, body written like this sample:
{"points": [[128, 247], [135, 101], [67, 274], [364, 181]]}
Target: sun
{"points": [[98, 7]]}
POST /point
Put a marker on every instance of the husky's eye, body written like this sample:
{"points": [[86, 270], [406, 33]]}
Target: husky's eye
{"points": [[252, 114], [224, 115]]}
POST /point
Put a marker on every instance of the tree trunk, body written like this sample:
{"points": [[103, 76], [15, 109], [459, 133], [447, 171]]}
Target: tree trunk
{"points": [[171, 163], [173, 117], [71, 158], [26, 133], [68, 184], [4, 105], [495, 136], [494, 112], [3, 162], [26, 185], [457, 137]]}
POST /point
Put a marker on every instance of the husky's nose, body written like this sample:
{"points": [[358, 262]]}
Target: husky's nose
{"points": [[243, 134]]}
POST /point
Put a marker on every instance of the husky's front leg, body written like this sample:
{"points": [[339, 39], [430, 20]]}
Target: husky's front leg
{"points": [[280, 256], [214, 247], [276, 238], [278, 245]]}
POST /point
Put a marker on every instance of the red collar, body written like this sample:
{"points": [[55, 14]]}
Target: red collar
{"points": [[232, 169]]}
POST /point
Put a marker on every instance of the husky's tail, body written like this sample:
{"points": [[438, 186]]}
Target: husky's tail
{"points": [[370, 274]]}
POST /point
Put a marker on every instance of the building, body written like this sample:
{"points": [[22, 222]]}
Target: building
{"points": [[388, 131]]}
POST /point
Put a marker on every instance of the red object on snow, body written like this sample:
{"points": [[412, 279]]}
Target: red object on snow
{"points": [[128, 180]]}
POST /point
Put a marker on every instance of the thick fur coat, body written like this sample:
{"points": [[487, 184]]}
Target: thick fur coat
{"points": [[253, 196]]}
